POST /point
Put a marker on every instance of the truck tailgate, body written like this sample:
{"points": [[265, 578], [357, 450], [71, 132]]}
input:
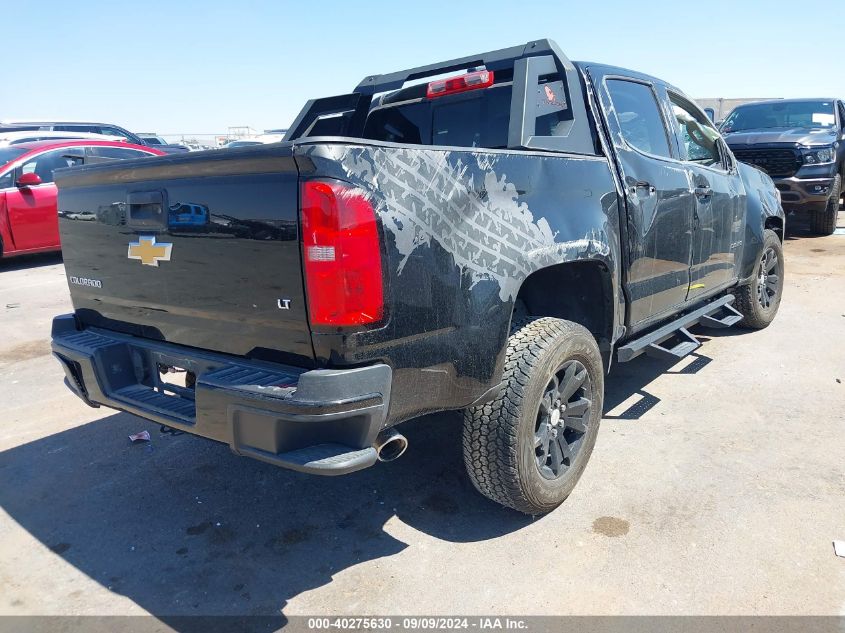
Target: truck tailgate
{"points": [[196, 249]]}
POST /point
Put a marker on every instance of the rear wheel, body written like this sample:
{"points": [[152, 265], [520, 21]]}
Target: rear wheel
{"points": [[758, 300], [824, 222], [528, 448]]}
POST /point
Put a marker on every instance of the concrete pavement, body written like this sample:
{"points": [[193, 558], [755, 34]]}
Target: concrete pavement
{"points": [[716, 487]]}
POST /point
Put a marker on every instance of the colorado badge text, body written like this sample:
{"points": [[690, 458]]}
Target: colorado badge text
{"points": [[85, 281], [148, 251]]}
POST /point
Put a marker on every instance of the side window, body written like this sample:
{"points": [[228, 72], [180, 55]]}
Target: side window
{"points": [[696, 134], [77, 128], [639, 116], [7, 180], [112, 131], [44, 164], [115, 152]]}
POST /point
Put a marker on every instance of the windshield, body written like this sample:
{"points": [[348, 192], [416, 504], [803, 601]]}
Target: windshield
{"points": [[8, 154], [785, 114]]}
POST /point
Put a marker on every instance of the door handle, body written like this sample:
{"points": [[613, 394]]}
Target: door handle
{"points": [[146, 210], [635, 189], [703, 191]]}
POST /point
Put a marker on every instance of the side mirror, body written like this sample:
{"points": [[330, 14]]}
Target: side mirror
{"points": [[28, 180], [727, 155]]}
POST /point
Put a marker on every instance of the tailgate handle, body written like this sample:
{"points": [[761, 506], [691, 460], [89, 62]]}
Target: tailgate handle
{"points": [[146, 210]]}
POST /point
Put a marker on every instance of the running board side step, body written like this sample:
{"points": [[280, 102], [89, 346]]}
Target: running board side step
{"points": [[682, 341], [731, 316]]}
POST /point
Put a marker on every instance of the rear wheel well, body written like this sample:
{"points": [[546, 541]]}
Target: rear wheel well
{"points": [[580, 292], [776, 225]]}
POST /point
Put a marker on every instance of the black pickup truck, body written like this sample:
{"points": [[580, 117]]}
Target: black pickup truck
{"points": [[485, 241], [800, 143]]}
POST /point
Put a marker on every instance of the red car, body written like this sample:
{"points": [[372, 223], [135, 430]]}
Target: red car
{"points": [[28, 214]]}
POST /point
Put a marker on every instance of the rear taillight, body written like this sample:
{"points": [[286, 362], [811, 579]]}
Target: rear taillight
{"points": [[461, 83], [342, 256]]}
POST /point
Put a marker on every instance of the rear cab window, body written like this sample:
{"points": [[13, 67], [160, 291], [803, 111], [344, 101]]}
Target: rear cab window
{"points": [[471, 119], [477, 118], [532, 102]]}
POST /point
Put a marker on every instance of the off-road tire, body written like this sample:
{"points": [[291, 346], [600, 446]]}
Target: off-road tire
{"points": [[499, 437], [755, 316], [824, 222]]}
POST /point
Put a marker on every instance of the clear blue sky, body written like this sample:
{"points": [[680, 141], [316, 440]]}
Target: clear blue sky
{"points": [[174, 66]]}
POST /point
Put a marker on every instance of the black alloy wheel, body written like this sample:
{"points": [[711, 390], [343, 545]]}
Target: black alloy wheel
{"points": [[768, 281], [563, 418]]}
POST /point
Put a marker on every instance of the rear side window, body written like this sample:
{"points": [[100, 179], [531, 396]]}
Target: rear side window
{"points": [[113, 131], [88, 129], [639, 116]]}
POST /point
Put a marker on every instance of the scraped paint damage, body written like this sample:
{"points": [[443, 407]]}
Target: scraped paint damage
{"points": [[461, 202]]}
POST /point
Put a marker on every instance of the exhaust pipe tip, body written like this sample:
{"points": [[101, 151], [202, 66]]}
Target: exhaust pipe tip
{"points": [[390, 445]]}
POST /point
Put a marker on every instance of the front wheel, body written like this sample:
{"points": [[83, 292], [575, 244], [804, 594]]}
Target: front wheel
{"points": [[759, 300], [528, 448], [824, 222]]}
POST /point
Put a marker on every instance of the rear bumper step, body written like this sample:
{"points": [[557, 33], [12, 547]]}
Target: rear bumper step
{"points": [[716, 314], [319, 421]]}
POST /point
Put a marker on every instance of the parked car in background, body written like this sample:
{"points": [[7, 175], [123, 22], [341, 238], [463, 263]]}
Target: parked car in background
{"points": [[184, 214], [270, 137], [151, 139], [800, 143], [16, 138], [159, 143], [28, 214], [261, 139], [241, 143], [106, 129], [91, 127]]}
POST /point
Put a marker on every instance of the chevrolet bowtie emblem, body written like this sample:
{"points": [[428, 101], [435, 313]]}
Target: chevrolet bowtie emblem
{"points": [[148, 251]]}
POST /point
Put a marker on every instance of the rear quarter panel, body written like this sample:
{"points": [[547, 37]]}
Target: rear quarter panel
{"points": [[462, 230]]}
